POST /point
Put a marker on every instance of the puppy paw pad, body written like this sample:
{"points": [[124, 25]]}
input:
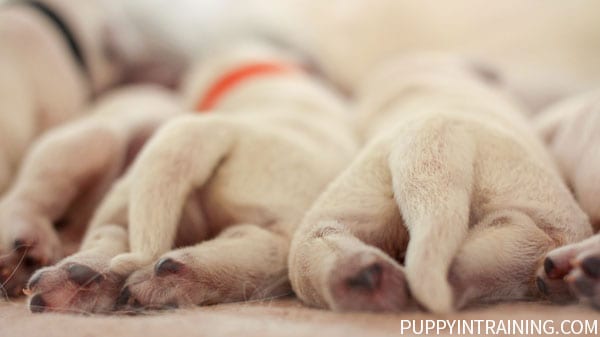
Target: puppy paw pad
{"points": [[83, 275], [37, 304], [167, 266], [368, 278]]}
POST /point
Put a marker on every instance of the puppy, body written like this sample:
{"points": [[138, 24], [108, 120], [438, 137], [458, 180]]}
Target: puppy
{"points": [[231, 185], [571, 129], [452, 200], [67, 173], [56, 56]]}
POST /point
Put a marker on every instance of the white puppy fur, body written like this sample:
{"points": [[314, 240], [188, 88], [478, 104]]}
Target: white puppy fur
{"points": [[231, 185], [453, 200], [571, 129], [66, 174]]}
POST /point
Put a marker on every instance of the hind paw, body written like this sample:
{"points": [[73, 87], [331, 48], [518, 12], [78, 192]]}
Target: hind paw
{"points": [[368, 281]]}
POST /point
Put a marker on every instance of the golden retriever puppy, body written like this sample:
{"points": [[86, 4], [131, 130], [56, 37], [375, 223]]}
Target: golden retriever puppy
{"points": [[67, 172], [230, 185], [452, 200], [571, 129]]}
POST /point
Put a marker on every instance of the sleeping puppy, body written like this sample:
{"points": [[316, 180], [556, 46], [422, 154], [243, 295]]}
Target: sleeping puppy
{"points": [[452, 200], [231, 185], [56, 56], [66, 174], [571, 129]]}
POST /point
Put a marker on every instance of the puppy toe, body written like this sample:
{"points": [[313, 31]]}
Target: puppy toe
{"points": [[590, 264], [83, 275], [37, 304], [561, 261]]}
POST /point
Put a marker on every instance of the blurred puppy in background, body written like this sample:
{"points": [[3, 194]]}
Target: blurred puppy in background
{"points": [[452, 201], [571, 129], [231, 185], [56, 56], [66, 174]]}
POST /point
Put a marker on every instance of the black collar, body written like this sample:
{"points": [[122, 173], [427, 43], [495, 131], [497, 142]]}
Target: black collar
{"points": [[62, 27]]}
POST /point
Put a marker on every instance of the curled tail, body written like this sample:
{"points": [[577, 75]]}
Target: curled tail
{"points": [[432, 172]]}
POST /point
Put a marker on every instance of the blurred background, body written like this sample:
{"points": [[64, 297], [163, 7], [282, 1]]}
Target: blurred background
{"points": [[548, 48]]}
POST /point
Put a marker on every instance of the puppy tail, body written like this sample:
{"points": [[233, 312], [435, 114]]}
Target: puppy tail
{"points": [[432, 179]]}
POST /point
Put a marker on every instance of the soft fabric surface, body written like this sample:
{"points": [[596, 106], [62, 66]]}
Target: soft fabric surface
{"points": [[283, 317]]}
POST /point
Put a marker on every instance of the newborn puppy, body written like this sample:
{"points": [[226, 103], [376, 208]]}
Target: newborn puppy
{"points": [[66, 174], [571, 129], [56, 56], [231, 185], [452, 200]]}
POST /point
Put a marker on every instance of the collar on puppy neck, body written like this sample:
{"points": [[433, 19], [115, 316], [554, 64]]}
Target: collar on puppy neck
{"points": [[64, 29], [236, 77]]}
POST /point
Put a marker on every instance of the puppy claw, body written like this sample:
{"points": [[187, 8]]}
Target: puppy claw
{"points": [[83, 275], [591, 266], [37, 304], [166, 266]]}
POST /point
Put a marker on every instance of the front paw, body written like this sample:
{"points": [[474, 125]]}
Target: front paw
{"points": [[79, 284], [27, 245]]}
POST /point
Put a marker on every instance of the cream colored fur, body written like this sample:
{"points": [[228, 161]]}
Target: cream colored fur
{"points": [[231, 186], [452, 200]]}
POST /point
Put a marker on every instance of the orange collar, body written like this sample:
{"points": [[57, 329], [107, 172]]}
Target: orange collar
{"points": [[236, 77]]}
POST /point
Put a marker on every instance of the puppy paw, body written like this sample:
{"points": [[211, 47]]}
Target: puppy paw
{"points": [[79, 284], [573, 272], [27, 245], [368, 281], [169, 283]]}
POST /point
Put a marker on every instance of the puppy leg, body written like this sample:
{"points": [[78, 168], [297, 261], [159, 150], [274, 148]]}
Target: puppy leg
{"points": [[577, 267], [68, 164], [244, 262], [343, 255], [178, 160], [499, 258]]}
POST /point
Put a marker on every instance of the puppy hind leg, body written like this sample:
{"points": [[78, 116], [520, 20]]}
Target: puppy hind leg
{"points": [[432, 174], [179, 159], [244, 262], [499, 259]]}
